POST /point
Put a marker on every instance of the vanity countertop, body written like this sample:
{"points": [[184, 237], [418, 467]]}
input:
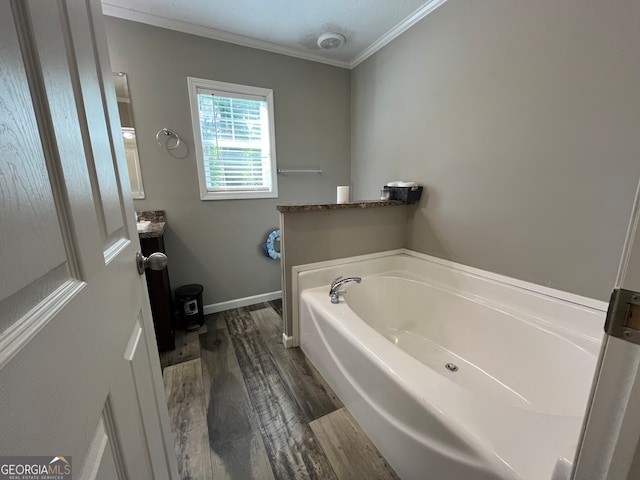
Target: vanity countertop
{"points": [[156, 229], [157, 219], [318, 207]]}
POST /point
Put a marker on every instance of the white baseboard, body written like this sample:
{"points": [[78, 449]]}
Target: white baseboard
{"points": [[288, 342], [241, 302]]}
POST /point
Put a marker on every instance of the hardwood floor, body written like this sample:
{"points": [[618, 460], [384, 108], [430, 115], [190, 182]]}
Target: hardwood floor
{"points": [[349, 450], [265, 410], [185, 399], [187, 348], [237, 446]]}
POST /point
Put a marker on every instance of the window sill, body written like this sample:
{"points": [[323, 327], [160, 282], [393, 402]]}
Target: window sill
{"points": [[238, 196]]}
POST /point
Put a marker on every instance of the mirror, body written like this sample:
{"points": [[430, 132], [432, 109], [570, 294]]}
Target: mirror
{"points": [[128, 134]]}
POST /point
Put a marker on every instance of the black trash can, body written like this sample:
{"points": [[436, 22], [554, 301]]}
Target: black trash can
{"points": [[189, 301]]}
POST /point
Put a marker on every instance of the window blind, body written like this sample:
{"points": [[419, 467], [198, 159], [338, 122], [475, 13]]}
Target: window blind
{"points": [[235, 141]]}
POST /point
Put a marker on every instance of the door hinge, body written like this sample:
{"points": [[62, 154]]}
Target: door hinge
{"points": [[623, 316]]}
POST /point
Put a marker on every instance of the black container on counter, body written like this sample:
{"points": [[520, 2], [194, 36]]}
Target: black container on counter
{"points": [[404, 194]]}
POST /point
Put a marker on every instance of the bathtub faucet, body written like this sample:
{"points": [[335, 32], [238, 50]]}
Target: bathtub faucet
{"points": [[335, 291]]}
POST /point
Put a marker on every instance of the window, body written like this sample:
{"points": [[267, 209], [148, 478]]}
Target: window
{"points": [[235, 140]]}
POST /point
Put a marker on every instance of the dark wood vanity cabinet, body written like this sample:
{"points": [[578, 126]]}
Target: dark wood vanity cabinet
{"points": [[160, 296]]}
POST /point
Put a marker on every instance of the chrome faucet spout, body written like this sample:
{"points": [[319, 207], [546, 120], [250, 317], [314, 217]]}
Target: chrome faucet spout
{"points": [[335, 293]]}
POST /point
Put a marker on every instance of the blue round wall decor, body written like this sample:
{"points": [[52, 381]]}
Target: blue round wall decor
{"points": [[269, 246]]}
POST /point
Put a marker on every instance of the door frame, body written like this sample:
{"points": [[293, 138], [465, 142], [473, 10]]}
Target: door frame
{"points": [[609, 445]]}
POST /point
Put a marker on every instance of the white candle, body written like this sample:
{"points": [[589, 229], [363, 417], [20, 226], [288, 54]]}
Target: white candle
{"points": [[343, 194]]}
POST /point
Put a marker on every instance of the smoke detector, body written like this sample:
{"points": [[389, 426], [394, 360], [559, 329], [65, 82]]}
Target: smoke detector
{"points": [[330, 41]]}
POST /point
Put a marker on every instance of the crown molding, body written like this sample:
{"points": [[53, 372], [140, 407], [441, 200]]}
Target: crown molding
{"points": [[199, 30], [396, 31], [202, 31]]}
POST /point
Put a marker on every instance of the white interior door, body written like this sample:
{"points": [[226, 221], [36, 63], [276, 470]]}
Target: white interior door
{"points": [[610, 444], [79, 373]]}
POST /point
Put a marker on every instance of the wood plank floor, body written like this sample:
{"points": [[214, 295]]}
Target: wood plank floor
{"points": [[349, 450], [185, 399], [237, 446], [187, 348], [268, 412]]}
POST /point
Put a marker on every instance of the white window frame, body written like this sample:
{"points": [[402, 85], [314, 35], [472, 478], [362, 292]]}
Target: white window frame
{"points": [[238, 91]]}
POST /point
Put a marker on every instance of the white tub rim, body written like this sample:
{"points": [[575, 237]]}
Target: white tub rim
{"points": [[550, 293]]}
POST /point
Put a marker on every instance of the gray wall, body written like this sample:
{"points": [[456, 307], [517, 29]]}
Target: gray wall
{"points": [[218, 243], [521, 119], [309, 237]]}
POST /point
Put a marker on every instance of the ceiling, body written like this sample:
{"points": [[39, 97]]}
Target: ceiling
{"points": [[290, 27]]}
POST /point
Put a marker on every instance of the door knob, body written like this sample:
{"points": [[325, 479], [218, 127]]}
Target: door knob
{"points": [[155, 261]]}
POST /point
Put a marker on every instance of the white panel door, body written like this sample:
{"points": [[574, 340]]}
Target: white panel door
{"points": [[79, 369], [610, 445]]}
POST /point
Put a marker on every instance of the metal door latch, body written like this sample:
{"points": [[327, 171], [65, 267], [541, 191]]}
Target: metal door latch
{"points": [[623, 316]]}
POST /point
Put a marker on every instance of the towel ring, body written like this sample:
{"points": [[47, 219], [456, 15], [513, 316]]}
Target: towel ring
{"points": [[168, 133]]}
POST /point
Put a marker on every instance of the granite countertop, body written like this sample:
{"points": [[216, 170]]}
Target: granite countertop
{"points": [[318, 207], [157, 219], [156, 229]]}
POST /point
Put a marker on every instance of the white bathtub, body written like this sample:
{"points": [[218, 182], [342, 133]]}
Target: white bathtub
{"points": [[525, 358]]}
